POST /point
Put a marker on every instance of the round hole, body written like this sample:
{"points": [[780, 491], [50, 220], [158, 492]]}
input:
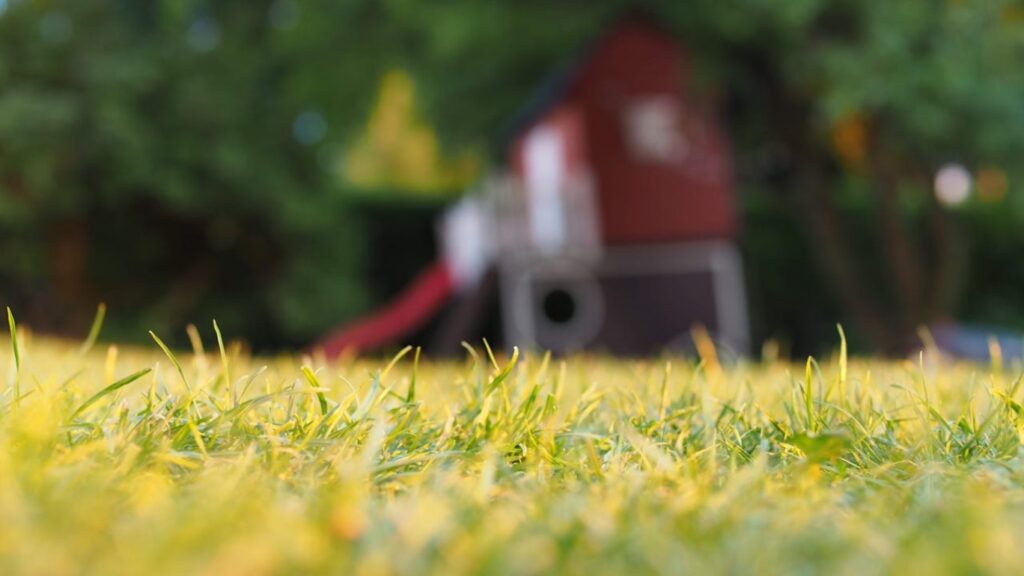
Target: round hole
{"points": [[559, 306]]}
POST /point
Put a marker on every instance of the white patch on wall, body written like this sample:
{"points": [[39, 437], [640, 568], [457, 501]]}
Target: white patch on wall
{"points": [[654, 130], [544, 173], [466, 241]]}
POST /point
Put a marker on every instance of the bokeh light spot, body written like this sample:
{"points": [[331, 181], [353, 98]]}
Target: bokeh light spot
{"points": [[203, 35], [56, 27], [284, 14], [309, 127], [992, 184], [952, 185]]}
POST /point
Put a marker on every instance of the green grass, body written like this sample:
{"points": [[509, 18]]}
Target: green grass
{"points": [[152, 461]]}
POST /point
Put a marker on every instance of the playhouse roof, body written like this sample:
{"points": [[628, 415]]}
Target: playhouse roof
{"points": [[552, 90], [557, 84]]}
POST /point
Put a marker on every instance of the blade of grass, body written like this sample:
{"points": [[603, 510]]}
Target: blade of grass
{"points": [[94, 330], [394, 361], [501, 376], [842, 362], [13, 327], [197, 437], [109, 390], [312, 379], [195, 339], [411, 394], [173, 359], [490, 356], [223, 355], [809, 394], [663, 404]]}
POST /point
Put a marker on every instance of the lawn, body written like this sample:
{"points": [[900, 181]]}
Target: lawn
{"points": [[146, 461]]}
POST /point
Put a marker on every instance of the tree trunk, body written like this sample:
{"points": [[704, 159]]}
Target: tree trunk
{"points": [[828, 239]]}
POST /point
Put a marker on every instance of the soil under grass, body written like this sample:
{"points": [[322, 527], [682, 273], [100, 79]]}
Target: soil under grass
{"points": [[225, 464]]}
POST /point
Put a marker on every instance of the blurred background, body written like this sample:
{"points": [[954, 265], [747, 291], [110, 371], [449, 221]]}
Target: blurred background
{"points": [[283, 165]]}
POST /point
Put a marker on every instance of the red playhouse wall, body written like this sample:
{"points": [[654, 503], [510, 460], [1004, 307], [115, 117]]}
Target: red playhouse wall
{"points": [[638, 71]]}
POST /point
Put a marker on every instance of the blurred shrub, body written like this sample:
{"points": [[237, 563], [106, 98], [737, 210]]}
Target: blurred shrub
{"points": [[170, 158], [789, 295], [993, 279], [398, 151]]}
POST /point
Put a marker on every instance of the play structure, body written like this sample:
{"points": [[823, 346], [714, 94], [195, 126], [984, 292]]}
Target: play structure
{"points": [[613, 225]]}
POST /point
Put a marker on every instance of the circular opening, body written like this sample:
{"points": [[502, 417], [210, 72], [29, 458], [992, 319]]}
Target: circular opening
{"points": [[559, 306]]}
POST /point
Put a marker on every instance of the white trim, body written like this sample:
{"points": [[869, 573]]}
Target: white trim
{"points": [[720, 257], [577, 279]]}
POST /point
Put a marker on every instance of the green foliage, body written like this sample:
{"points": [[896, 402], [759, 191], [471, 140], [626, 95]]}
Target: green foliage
{"points": [[993, 279], [789, 297], [940, 80], [171, 157]]}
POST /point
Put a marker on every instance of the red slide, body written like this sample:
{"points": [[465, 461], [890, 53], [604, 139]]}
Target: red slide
{"points": [[402, 316]]}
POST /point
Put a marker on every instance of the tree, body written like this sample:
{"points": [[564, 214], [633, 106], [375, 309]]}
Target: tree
{"points": [[199, 134], [170, 157]]}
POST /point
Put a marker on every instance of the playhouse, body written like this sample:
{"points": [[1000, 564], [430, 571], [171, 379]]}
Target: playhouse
{"points": [[612, 226], [618, 221]]}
